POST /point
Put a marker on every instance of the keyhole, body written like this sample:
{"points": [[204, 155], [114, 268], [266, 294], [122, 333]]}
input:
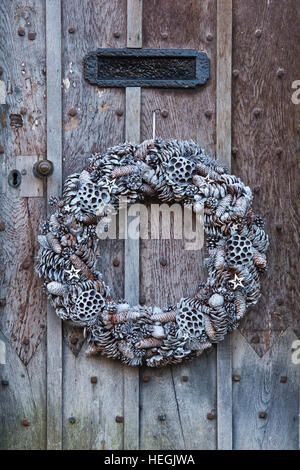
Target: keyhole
{"points": [[14, 178]]}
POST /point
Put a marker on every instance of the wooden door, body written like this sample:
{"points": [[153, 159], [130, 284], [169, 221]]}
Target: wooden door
{"points": [[243, 394]]}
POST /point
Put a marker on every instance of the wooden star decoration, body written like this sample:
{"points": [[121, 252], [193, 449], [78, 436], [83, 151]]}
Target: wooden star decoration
{"points": [[234, 227], [110, 184], [73, 273], [236, 281]]}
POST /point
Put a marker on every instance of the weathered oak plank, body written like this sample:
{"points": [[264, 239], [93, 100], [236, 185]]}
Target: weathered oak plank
{"points": [[99, 123], [23, 398], [223, 123], [168, 271], [134, 23], [22, 61], [54, 187], [261, 389], [94, 406], [132, 246], [264, 142]]}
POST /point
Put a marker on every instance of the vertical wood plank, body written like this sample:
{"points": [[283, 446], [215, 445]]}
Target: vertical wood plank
{"points": [[134, 23], [223, 131], [261, 389], [54, 187], [224, 61], [183, 404], [266, 154], [132, 247]]}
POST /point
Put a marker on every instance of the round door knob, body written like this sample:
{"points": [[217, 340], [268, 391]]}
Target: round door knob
{"points": [[43, 168]]}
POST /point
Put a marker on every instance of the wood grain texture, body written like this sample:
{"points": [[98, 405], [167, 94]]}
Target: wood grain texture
{"points": [[131, 246], [94, 406], [168, 271], [23, 398], [23, 317], [223, 122], [95, 127], [261, 390], [54, 187], [175, 403], [259, 161], [163, 28], [223, 80], [134, 23], [131, 282]]}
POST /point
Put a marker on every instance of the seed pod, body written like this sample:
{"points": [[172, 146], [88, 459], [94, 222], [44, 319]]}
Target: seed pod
{"points": [[240, 206], [147, 190], [123, 171], [57, 288], [125, 316], [223, 205], [54, 243], [79, 264], [164, 317], [220, 258], [68, 240], [209, 328], [148, 343], [89, 219], [126, 349], [259, 259], [198, 181], [240, 304], [93, 349], [143, 149], [84, 177]]}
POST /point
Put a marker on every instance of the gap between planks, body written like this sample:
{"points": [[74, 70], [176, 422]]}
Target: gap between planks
{"points": [[132, 247], [223, 151]]}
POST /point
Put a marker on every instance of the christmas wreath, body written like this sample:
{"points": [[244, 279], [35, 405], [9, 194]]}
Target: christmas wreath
{"points": [[167, 170]]}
